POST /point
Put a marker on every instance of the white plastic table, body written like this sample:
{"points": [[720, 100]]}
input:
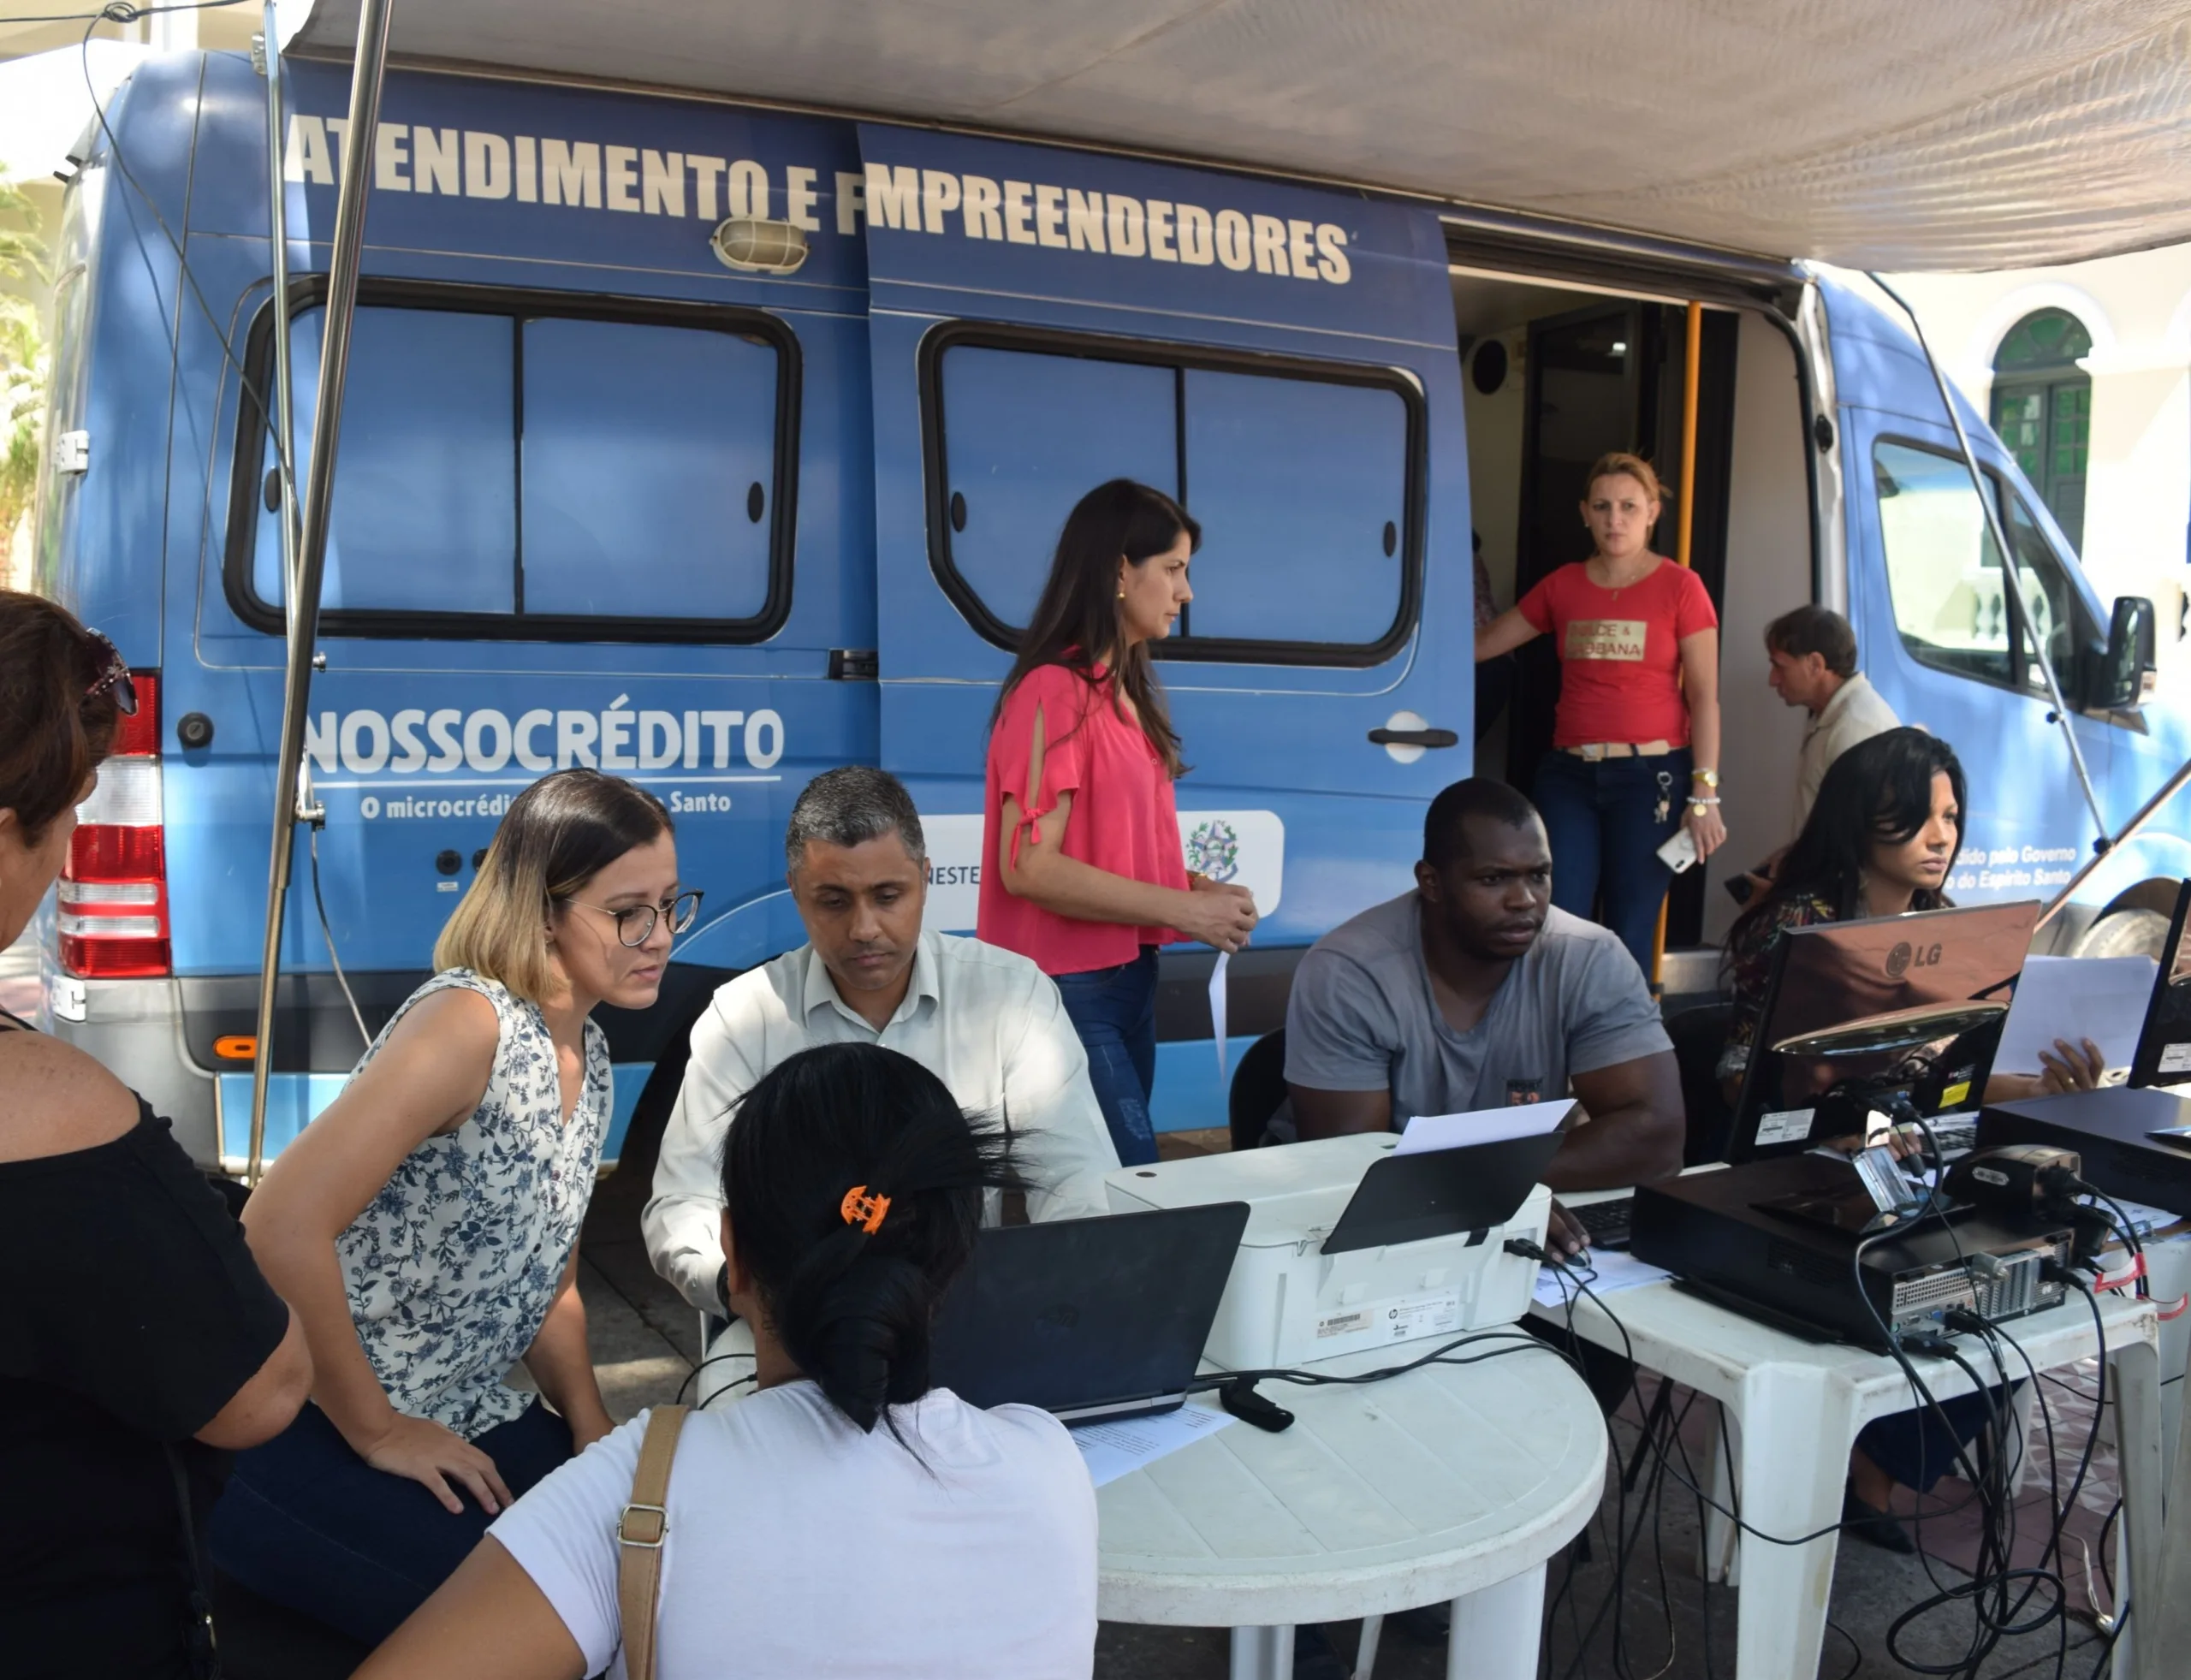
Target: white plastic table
{"points": [[1452, 1483], [1794, 1409]]}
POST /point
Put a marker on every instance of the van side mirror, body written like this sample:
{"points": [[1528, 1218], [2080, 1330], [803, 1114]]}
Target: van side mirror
{"points": [[2119, 683]]}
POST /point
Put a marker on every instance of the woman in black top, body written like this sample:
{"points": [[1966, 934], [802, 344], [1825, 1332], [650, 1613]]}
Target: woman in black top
{"points": [[139, 1344]]}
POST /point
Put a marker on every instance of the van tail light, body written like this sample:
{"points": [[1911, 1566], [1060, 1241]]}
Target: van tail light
{"points": [[113, 887]]}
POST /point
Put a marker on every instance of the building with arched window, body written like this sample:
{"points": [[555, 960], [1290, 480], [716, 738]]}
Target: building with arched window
{"points": [[2086, 374], [2042, 410]]}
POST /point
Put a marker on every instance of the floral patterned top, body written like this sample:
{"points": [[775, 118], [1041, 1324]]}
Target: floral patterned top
{"points": [[452, 1267], [1749, 968]]}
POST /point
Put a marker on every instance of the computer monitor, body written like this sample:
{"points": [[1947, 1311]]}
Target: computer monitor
{"points": [[2164, 1056], [1876, 1014]]}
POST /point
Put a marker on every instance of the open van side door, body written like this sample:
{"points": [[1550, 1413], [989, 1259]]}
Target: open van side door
{"points": [[1283, 361], [1941, 631]]}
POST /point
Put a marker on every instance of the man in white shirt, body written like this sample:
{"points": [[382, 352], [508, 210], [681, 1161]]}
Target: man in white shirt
{"points": [[1813, 654], [987, 1022]]}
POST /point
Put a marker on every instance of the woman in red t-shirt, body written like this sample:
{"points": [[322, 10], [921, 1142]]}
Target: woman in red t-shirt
{"points": [[1088, 876], [1635, 741]]}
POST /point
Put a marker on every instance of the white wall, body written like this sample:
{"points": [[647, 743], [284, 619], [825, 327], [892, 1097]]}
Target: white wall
{"points": [[1768, 571]]}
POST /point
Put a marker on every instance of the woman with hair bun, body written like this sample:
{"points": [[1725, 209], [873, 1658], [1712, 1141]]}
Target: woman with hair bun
{"points": [[1635, 741], [848, 1518], [426, 1226]]}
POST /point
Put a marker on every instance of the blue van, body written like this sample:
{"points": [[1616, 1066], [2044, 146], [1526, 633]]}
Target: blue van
{"points": [[714, 446]]}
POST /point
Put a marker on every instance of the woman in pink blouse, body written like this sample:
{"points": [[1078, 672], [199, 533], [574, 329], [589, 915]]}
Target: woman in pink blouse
{"points": [[1089, 877]]}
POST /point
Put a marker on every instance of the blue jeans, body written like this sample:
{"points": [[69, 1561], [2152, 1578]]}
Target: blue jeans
{"points": [[1603, 822], [308, 1523], [1114, 1011], [1917, 1448]]}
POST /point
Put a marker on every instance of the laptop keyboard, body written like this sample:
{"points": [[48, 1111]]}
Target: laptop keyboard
{"points": [[1606, 1222]]}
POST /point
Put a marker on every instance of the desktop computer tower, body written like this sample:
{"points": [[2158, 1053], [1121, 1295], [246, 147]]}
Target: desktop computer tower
{"points": [[2109, 1128], [1799, 1275]]}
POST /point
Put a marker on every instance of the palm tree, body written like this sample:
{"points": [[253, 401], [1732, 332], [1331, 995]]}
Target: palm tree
{"points": [[24, 366]]}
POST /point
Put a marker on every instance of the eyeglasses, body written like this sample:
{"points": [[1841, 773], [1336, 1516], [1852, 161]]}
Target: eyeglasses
{"points": [[635, 926], [115, 675]]}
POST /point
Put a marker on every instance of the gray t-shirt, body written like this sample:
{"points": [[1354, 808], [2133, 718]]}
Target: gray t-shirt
{"points": [[1362, 1016]]}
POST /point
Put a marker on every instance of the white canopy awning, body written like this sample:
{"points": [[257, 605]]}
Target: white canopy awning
{"points": [[1875, 133]]}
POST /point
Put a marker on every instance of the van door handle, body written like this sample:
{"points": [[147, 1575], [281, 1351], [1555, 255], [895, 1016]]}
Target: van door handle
{"points": [[1413, 738]]}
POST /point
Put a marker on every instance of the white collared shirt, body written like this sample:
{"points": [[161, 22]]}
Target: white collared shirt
{"points": [[1856, 713], [985, 1021]]}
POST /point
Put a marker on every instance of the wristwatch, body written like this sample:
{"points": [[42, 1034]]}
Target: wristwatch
{"points": [[1709, 778]]}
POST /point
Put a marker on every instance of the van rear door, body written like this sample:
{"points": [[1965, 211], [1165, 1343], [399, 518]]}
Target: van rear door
{"points": [[1283, 361]]}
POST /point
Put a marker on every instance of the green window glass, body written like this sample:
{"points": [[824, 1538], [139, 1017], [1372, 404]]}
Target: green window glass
{"points": [[2042, 410]]}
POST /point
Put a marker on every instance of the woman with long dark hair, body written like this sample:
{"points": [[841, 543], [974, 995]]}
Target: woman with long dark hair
{"points": [[427, 1225], [139, 1344], [849, 1517], [1087, 876], [1881, 840]]}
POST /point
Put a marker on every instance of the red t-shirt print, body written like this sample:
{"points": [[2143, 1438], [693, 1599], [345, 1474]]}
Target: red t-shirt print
{"points": [[1620, 651]]}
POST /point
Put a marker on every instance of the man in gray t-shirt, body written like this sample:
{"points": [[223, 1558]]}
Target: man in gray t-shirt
{"points": [[1473, 992]]}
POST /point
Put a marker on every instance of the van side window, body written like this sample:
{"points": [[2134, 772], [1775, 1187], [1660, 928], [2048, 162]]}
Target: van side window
{"points": [[426, 514], [645, 447], [521, 466], [2055, 616], [1943, 572], [1296, 483], [1302, 476], [1024, 429]]}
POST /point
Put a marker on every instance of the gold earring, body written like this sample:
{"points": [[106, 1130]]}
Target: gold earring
{"points": [[1122, 591]]}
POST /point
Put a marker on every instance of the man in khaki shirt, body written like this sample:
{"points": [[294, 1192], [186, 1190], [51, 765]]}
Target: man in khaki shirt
{"points": [[1814, 665]]}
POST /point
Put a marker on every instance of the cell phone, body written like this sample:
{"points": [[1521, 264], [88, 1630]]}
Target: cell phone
{"points": [[1679, 852], [1740, 887]]}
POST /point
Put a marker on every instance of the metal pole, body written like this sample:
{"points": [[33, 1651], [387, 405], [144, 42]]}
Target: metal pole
{"points": [[349, 239], [277, 208], [1691, 372], [2022, 604], [2169, 790]]}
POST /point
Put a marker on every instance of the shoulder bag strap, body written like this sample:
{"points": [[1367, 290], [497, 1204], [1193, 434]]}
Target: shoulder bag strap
{"points": [[641, 1530], [202, 1650]]}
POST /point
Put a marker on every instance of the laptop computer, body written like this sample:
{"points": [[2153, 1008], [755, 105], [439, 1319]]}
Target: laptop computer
{"points": [[2164, 1053], [1093, 1318]]}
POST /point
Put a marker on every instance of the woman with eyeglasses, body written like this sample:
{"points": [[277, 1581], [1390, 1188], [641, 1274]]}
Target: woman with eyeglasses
{"points": [[426, 1226]]}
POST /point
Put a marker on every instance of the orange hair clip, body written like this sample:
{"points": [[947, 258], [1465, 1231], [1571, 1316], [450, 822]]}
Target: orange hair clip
{"points": [[865, 1211]]}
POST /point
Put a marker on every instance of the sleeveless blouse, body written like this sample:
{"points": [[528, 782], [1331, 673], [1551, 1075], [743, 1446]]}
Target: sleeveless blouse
{"points": [[451, 1269], [1125, 819]]}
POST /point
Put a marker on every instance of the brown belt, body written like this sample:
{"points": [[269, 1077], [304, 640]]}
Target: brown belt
{"points": [[1594, 750]]}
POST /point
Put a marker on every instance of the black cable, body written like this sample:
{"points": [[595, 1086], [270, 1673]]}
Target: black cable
{"points": [[2107, 1645], [712, 1359], [1734, 1517], [1515, 1341], [125, 14], [327, 933], [1857, 1660]]}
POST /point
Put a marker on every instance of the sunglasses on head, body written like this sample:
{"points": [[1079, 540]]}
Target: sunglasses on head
{"points": [[114, 675]]}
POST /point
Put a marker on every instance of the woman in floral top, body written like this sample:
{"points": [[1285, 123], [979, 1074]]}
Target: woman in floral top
{"points": [[426, 1226]]}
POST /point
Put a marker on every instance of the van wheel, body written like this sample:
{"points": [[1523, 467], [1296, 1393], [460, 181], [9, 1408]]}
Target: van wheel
{"points": [[2125, 933]]}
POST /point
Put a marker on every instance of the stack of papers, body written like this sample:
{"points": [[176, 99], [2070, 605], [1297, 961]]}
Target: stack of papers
{"points": [[1603, 1270], [2075, 998], [1113, 1450], [1426, 1132]]}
